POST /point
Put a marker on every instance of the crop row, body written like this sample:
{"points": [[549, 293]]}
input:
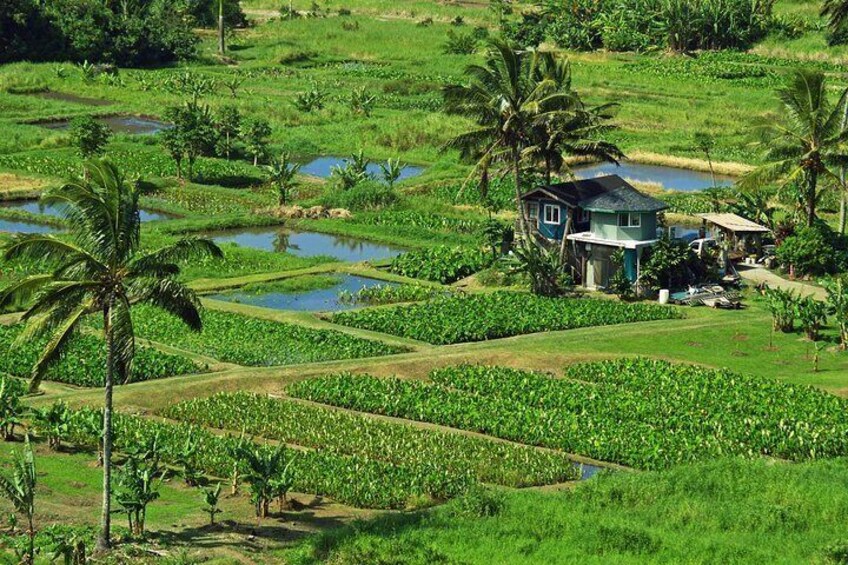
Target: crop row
{"points": [[424, 220], [643, 413], [353, 480], [84, 362], [441, 263], [476, 317], [244, 340], [295, 422]]}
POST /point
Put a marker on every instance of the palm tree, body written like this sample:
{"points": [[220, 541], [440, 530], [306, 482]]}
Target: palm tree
{"points": [[836, 12], [100, 271], [575, 131], [505, 98], [807, 144], [281, 173]]}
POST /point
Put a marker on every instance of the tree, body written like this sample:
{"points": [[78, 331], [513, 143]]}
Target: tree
{"points": [[281, 173], [11, 391], [255, 133], [192, 135], [705, 143], [52, 422], [783, 305], [837, 302], [574, 130], [228, 123], [19, 489], [806, 143], [211, 496], [812, 314], [544, 268], [138, 486], [263, 467], [391, 171], [222, 48], [100, 271], [837, 13], [89, 136], [505, 99]]}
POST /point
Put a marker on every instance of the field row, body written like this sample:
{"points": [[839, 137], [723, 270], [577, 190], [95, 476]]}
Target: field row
{"points": [[84, 361], [335, 431], [476, 317], [350, 479], [642, 413]]}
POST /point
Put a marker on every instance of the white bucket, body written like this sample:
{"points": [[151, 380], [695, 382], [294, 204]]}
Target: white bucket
{"points": [[664, 295]]}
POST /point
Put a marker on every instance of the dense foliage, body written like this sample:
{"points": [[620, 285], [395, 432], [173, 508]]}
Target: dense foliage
{"points": [[640, 25], [250, 341], [475, 317], [349, 479], [84, 362], [148, 33], [816, 250], [644, 413], [441, 263], [316, 427]]}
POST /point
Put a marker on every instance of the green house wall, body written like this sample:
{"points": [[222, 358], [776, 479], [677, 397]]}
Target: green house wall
{"points": [[605, 226]]}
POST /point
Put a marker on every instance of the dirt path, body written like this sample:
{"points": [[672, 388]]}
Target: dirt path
{"points": [[759, 275]]}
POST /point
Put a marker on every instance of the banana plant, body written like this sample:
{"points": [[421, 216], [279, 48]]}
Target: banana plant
{"points": [[19, 488], [391, 171], [211, 497], [52, 422]]}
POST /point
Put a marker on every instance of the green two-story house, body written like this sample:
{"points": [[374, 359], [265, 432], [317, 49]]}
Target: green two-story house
{"points": [[596, 217]]}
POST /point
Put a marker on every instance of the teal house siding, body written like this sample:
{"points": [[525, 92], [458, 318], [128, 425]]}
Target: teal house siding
{"points": [[552, 230], [605, 226]]}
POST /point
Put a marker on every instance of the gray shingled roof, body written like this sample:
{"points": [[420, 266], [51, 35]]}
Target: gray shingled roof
{"points": [[609, 193]]}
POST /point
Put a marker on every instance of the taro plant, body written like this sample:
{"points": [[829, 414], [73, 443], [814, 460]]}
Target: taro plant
{"points": [[783, 305], [100, 272], [812, 315], [19, 489]]}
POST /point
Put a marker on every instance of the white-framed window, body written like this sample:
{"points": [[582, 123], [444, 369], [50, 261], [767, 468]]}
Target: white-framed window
{"points": [[533, 211], [552, 214], [626, 220]]}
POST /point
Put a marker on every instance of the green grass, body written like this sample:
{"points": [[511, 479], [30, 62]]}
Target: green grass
{"points": [[726, 511]]}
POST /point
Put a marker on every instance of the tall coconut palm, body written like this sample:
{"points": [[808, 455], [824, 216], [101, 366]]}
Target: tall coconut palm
{"points": [[807, 144], [100, 270], [505, 98], [575, 130]]}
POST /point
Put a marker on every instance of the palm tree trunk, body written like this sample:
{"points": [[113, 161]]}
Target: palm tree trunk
{"points": [[811, 197], [104, 542], [522, 216], [842, 205], [221, 45]]}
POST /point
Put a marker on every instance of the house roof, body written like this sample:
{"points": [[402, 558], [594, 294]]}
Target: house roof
{"points": [[609, 193], [734, 223]]}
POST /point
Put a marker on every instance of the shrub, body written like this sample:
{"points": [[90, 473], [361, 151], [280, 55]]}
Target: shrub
{"points": [[441, 263], [460, 43], [783, 305], [813, 251], [812, 314]]}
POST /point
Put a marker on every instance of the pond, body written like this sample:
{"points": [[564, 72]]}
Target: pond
{"points": [[672, 178], [18, 226], [308, 244], [134, 125], [55, 210], [323, 167], [318, 300], [588, 471]]}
